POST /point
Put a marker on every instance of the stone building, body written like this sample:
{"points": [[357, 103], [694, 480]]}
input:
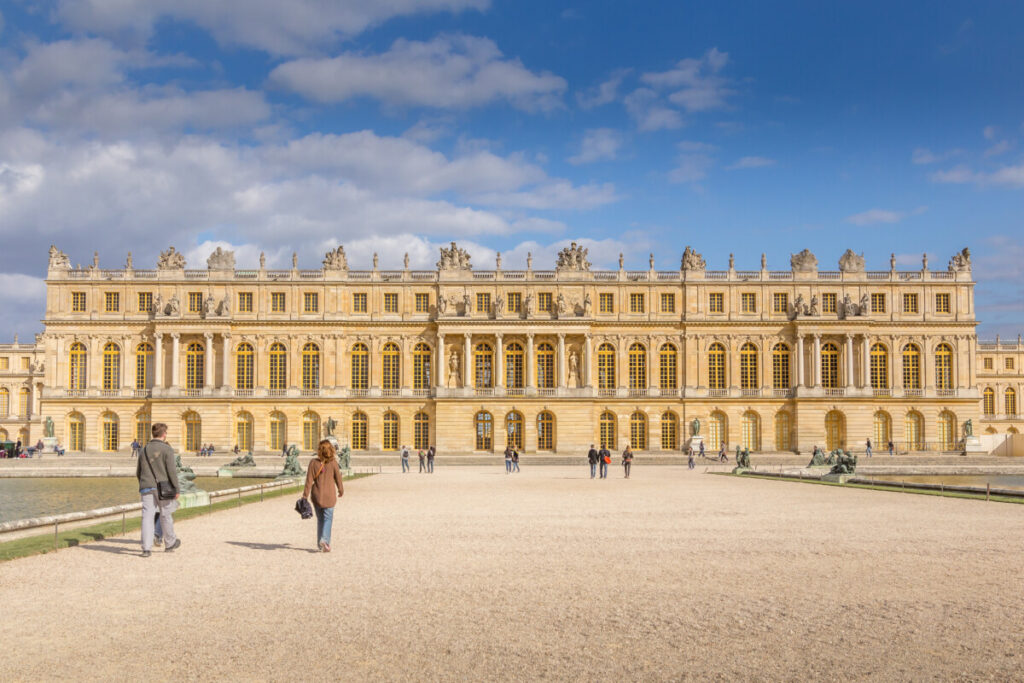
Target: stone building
{"points": [[551, 360]]}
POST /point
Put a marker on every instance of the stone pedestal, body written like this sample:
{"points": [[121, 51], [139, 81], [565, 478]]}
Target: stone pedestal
{"points": [[741, 470], [194, 499], [973, 446], [838, 478], [49, 444], [695, 441]]}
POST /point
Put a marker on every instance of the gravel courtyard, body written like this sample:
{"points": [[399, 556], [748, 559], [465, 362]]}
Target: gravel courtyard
{"points": [[472, 574]]}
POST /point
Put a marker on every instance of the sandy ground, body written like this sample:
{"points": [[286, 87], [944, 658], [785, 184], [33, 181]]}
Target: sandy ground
{"points": [[471, 574]]}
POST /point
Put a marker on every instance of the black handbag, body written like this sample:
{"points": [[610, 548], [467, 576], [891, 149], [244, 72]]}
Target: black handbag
{"points": [[164, 489], [304, 509]]}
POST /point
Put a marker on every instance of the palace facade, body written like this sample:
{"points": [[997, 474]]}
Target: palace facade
{"points": [[549, 360]]}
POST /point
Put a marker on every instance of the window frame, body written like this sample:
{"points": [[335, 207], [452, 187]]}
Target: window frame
{"points": [[716, 302], [278, 302]]}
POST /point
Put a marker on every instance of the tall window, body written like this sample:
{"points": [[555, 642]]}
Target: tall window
{"points": [[483, 367], [783, 431], [667, 362], [668, 303], [718, 432], [310, 431], [637, 366], [359, 302], [391, 366], [195, 302], [911, 367], [278, 431], [23, 402], [1010, 400], [829, 366], [195, 366], [606, 302], [748, 367], [913, 430], [143, 365], [391, 302], [78, 302], [5, 402], [77, 367], [942, 303], [947, 430], [669, 431], [421, 366], [828, 302], [484, 431], [910, 303], [310, 302], [545, 431], [882, 429], [514, 366], [143, 427], [193, 431], [422, 302], [277, 302], [421, 431], [607, 430], [360, 366], [243, 431], [278, 367], [515, 302], [145, 302], [716, 366], [780, 367], [944, 367], [636, 302], [606, 367], [76, 432], [359, 431], [483, 302], [878, 303], [835, 430], [545, 366], [110, 432], [748, 302], [988, 404], [111, 302], [1007, 363], [716, 302], [780, 302], [544, 302], [751, 428], [879, 367], [514, 430], [390, 433], [244, 304], [310, 366], [638, 431], [244, 366], [987, 362], [111, 366]]}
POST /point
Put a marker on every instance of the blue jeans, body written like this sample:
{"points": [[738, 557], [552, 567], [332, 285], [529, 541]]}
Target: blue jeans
{"points": [[869, 451], [405, 464], [604, 469], [430, 465], [324, 516], [508, 466], [515, 466], [593, 470]]}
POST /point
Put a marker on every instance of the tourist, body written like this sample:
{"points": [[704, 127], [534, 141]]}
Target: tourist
{"points": [[209, 450], [405, 459], [236, 450], [136, 447], [891, 447], [284, 450], [17, 449], [604, 458], [702, 450], [867, 448], [592, 457], [430, 460], [627, 460], [515, 460], [59, 449], [689, 461], [158, 456], [508, 459], [322, 476], [423, 461], [722, 457]]}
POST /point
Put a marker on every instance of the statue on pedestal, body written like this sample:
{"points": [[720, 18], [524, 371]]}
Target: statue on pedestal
{"points": [[846, 463], [330, 426], [243, 461], [453, 370], [574, 369], [695, 427], [185, 476], [292, 467], [48, 427], [968, 427], [817, 459]]}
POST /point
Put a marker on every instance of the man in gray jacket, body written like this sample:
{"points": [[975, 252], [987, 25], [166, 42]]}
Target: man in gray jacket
{"points": [[156, 463]]}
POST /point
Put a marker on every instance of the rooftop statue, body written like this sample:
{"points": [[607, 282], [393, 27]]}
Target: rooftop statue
{"points": [[58, 259], [692, 260], [221, 259], [850, 262], [171, 260], [454, 258], [336, 260], [960, 263], [573, 258], [804, 262]]}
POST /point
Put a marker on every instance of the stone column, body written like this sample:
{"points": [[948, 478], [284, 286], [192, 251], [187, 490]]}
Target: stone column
{"points": [[528, 370], [126, 345], [226, 368], [208, 336], [895, 371], [37, 394], [799, 360], [158, 361], [865, 355], [442, 366], [849, 361], [467, 360], [561, 381], [339, 360], [816, 370], [499, 361], [681, 369], [175, 358], [651, 371], [587, 373]]}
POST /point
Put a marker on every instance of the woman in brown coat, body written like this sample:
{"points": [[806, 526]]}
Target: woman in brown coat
{"points": [[322, 476]]}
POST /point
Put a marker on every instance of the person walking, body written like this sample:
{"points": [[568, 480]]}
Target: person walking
{"points": [[722, 457], [867, 448], [627, 460], [423, 461], [515, 460], [604, 458], [891, 448], [430, 460], [508, 459], [702, 450], [405, 459], [689, 461], [154, 467], [322, 477], [592, 457]]}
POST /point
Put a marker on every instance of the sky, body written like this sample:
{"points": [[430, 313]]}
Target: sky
{"points": [[398, 126]]}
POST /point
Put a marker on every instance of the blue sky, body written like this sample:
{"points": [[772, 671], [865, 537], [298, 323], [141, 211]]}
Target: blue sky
{"points": [[638, 127]]}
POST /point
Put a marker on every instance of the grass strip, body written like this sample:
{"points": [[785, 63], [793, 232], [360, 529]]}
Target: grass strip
{"points": [[37, 545], [891, 489]]}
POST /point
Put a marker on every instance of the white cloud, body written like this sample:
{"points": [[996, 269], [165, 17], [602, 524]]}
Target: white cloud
{"points": [[448, 72], [751, 162], [1000, 147], [922, 155], [690, 168], [598, 144], [700, 88], [604, 93], [293, 27], [1007, 176], [650, 113], [876, 216]]}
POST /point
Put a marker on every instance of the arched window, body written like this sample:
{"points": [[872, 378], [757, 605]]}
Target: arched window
{"points": [[391, 367], [783, 431], [421, 367], [421, 431], [718, 432], [359, 431], [3, 435], [244, 368], [545, 431], [1010, 402], [23, 402], [243, 431], [606, 367], [143, 427], [77, 375], [748, 367], [143, 366], [76, 432], [360, 367], [195, 366], [545, 366], [829, 366], [667, 361], [944, 367], [110, 425], [988, 404], [947, 430], [514, 366], [310, 366], [716, 366], [669, 431], [278, 367], [911, 367], [483, 366], [310, 431], [607, 430], [638, 431], [835, 430], [751, 428], [879, 367], [484, 431], [111, 366], [514, 430], [278, 434], [193, 431], [5, 402], [883, 429], [390, 432], [780, 367], [914, 431], [637, 366]]}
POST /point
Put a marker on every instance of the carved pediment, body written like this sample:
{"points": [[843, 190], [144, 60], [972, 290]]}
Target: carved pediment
{"points": [[171, 260], [850, 262], [804, 262], [573, 258]]}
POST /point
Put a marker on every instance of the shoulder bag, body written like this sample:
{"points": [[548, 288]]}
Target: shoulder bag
{"points": [[164, 490]]}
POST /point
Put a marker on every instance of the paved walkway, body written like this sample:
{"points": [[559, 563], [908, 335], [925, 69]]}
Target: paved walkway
{"points": [[472, 574]]}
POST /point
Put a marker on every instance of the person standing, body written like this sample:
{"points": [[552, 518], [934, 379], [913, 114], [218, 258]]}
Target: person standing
{"points": [[627, 460], [430, 460], [592, 459], [155, 466], [515, 460], [722, 457], [405, 459], [423, 461], [322, 477], [136, 447], [702, 450], [891, 448], [508, 459], [867, 448], [689, 461], [604, 458]]}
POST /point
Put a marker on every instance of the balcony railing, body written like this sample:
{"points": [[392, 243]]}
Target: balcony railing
{"points": [[750, 393], [244, 393], [193, 393], [784, 393], [638, 393], [915, 393], [515, 391], [75, 393], [390, 393], [835, 392], [277, 393], [546, 391], [483, 391], [309, 393], [606, 393], [718, 393], [110, 393], [421, 393], [945, 393], [143, 393], [358, 393]]}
